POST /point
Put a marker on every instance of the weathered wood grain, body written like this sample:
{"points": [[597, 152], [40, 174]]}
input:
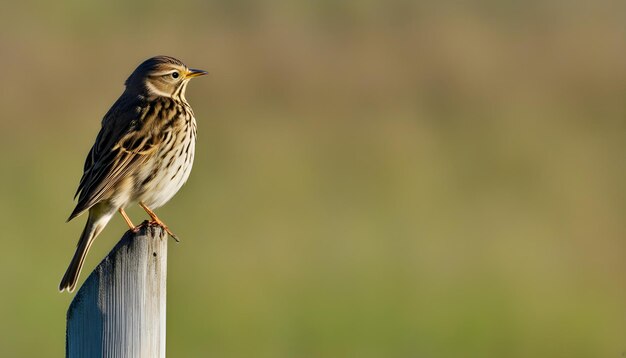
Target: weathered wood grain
{"points": [[119, 312]]}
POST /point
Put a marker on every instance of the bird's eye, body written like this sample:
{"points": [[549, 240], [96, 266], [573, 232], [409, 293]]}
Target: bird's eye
{"points": [[175, 74]]}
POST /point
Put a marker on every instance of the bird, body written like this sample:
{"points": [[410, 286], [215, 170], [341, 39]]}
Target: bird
{"points": [[143, 153]]}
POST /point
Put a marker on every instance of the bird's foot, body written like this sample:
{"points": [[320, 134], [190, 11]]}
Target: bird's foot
{"points": [[135, 229], [164, 227], [157, 221]]}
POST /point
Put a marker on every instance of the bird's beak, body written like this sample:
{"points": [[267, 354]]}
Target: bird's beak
{"points": [[195, 73]]}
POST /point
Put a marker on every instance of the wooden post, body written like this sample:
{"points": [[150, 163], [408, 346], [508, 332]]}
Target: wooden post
{"points": [[120, 309]]}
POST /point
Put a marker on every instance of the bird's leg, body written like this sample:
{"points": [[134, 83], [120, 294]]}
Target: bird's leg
{"points": [[156, 220], [127, 219]]}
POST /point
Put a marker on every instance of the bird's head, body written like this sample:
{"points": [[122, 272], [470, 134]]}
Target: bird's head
{"points": [[162, 76]]}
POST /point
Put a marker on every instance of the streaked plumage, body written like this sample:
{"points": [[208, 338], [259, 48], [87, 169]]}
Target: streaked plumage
{"points": [[143, 153]]}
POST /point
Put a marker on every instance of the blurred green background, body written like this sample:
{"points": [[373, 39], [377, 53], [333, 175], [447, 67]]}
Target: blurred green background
{"points": [[373, 178]]}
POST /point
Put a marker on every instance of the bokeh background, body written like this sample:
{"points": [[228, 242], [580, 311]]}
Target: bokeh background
{"points": [[373, 178]]}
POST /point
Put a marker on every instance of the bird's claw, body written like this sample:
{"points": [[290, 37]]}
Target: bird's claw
{"points": [[164, 227]]}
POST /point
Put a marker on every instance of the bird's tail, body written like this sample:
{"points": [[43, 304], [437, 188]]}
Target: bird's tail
{"points": [[95, 224]]}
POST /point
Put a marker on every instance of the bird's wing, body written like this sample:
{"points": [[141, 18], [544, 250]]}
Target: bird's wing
{"points": [[122, 145]]}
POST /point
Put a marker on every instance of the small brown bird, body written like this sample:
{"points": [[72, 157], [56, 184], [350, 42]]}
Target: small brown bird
{"points": [[143, 153]]}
